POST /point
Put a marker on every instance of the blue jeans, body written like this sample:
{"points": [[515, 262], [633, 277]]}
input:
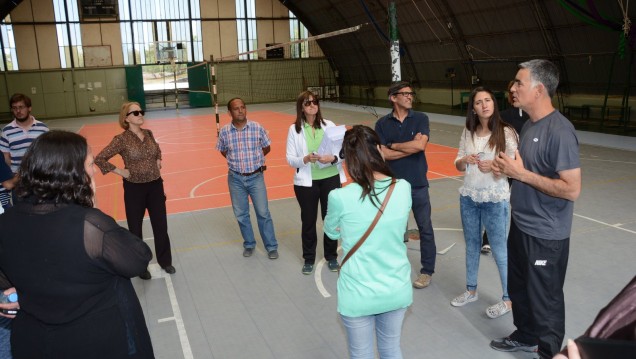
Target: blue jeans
{"points": [[494, 217], [387, 327], [422, 212], [5, 338], [242, 187]]}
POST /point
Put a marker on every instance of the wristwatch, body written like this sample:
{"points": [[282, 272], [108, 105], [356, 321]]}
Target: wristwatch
{"points": [[388, 145], [335, 160]]}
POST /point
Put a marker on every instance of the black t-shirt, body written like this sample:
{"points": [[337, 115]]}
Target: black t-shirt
{"points": [[511, 115]]}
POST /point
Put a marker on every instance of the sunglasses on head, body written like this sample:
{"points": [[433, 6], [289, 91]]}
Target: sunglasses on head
{"points": [[136, 113], [308, 103]]}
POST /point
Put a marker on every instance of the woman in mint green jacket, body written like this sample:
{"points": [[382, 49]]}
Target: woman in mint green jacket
{"points": [[374, 287]]}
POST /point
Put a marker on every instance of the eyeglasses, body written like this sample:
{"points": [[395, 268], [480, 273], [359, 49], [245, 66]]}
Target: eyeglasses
{"points": [[18, 108], [136, 113], [412, 94], [309, 102]]}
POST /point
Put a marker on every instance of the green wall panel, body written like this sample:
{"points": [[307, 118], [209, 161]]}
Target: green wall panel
{"points": [[52, 82]]}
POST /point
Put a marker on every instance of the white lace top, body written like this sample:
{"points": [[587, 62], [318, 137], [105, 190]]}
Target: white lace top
{"points": [[479, 186]]}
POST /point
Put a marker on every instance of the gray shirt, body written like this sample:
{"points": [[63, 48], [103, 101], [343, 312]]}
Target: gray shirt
{"points": [[547, 147]]}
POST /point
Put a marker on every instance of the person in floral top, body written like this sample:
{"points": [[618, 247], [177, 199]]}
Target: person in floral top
{"points": [[143, 185]]}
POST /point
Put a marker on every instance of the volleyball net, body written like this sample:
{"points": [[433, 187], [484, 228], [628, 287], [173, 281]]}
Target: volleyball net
{"points": [[279, 72]]}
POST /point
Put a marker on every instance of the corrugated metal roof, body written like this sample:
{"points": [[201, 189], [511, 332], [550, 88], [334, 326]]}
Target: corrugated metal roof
{"points": [[486, 38]]}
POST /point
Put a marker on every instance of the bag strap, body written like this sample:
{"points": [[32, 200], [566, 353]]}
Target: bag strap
{"points": [[370, 229]]}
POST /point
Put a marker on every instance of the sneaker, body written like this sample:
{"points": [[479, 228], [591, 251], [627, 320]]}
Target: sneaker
{"points": [[308, 268], [333, 265], [273, 254], [247, 252], [145, 275], [422, 281], [464, 299], [497, 310], [485, 249], [508, 345]]}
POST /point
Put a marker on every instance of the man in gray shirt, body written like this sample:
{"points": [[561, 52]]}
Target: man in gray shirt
{"points": [[546, 177]]}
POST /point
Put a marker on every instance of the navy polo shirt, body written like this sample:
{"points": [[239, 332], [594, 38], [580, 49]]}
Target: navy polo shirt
{"points": [[412, 168]]}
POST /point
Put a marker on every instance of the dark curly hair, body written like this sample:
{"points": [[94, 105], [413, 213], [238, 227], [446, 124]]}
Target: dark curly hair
{"points": [[52, 170], [360, 147]]}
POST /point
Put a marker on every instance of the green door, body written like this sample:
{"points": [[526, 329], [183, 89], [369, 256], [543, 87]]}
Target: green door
{"points": [[199, 84], [135, 85]]}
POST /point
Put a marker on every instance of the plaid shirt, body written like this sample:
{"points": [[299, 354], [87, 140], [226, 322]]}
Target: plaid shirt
{"points": [[244, 147]]}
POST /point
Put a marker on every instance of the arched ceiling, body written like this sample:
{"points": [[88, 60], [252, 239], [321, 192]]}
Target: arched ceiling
{"points": [[483, 38]]}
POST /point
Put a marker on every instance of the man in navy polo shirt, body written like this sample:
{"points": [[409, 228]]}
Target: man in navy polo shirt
{"points": [[404, 134]]}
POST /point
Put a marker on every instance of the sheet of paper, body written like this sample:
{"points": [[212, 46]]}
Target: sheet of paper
{"points": [[331, 142]]}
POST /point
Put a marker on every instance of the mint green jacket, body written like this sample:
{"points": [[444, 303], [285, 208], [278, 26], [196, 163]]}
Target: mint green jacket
{"points": [[377, 277]]}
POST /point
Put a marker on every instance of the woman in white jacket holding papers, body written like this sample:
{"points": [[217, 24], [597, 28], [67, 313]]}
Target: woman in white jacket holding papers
{"points": [[313, 182]]}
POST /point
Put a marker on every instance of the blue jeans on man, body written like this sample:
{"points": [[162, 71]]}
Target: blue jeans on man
{"points": [[386, 327], [494, 217], [242, 188], [421, 206]]}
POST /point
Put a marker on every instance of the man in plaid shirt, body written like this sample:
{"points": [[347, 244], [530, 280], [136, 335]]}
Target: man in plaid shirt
{"points": [[245, 144]]}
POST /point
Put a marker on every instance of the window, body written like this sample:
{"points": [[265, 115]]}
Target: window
{"points": [[246, 28], [297, 31], [9, 57], [69, 38], [150, 28]]}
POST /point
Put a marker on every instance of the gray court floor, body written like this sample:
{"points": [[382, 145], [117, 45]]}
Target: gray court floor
{"points": [[223, 306]]}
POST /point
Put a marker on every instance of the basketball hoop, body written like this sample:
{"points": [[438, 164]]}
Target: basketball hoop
{"points": [[169, 52]]}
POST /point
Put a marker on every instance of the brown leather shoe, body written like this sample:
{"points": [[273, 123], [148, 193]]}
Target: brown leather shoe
{"points": [[423, 281]]}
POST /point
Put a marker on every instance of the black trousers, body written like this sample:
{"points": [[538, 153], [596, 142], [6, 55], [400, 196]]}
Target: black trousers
{"points": [[308, 198], [536, 273], [150, 195]]}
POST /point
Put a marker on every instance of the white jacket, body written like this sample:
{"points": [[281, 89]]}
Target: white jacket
{"points": [[297, 150]]}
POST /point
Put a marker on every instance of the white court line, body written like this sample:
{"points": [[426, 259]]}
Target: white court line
{"points": [[178, 319], [183, 336], [445, 250], [194, 189], [617, 226], [318, 278], [443, 176], [610, 161]]}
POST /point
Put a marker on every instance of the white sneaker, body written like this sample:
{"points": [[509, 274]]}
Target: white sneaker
{"points": [[464, 299], [497, 310]]}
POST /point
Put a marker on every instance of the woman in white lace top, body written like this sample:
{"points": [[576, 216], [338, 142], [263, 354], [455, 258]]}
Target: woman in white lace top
{"points": [[484, 198]]}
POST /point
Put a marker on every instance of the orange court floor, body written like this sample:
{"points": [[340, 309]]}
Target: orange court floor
{"points": [[195, 173]]}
